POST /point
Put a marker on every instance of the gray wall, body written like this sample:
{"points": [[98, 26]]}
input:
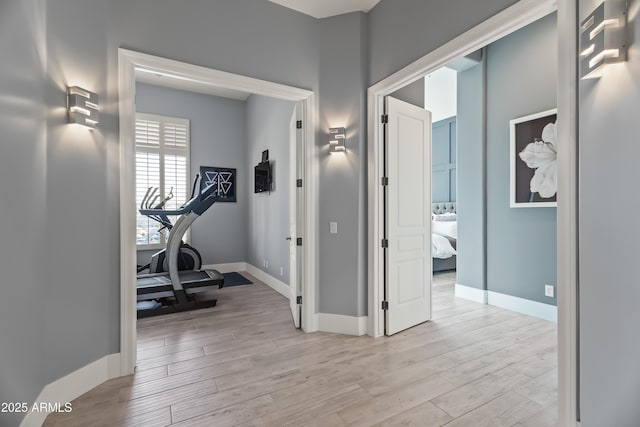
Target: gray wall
{"points": [[24, 201], [270, 123], [610, 238], [471, 172], [412, 93], [342, 186], [218, 138], [401, 31], [521, 243], [80, 297]]}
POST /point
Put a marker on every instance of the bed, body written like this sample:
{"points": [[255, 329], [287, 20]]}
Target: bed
{"points": [[444, 236]]}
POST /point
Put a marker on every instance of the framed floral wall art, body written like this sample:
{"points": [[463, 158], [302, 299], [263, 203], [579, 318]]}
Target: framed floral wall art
{"points": [[534, 166]]}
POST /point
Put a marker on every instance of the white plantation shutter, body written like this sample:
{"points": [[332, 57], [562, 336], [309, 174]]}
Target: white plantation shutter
{"points": [[162, 160]]}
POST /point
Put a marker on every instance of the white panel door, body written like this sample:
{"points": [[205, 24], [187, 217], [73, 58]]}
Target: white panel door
{"points": [[296, 206], [408, 163]]}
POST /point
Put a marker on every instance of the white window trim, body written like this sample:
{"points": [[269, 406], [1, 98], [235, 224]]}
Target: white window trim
{"points": [[162, 119]]}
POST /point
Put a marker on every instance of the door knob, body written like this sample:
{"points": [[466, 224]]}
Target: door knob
{"points": [[288, 238]]}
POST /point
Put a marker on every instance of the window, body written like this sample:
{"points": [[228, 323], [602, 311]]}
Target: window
{"points": [[162, 161]]}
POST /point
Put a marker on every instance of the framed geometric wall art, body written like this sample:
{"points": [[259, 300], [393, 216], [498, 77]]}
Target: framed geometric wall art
{"points": [[223, 178], [533, 160]]}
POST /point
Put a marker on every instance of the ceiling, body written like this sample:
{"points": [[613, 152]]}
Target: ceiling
{"points": [[326, 8], [189, 85]]}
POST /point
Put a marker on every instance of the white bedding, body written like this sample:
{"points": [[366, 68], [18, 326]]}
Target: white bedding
{"points": [[445, 228], [441, 247]]}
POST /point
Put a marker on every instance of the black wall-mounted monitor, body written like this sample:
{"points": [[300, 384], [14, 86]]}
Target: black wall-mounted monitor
{"points": [[262, 177]]}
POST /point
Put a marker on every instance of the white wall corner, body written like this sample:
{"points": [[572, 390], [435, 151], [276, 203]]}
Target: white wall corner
{"points": [[312, 324], [339, 324], [530, 308], [73, 385], [473, 294], [363, 323]]}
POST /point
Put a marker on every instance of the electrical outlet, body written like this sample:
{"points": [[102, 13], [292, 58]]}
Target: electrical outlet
{"points": [[549, 291], [266, 263], [282, 271]]}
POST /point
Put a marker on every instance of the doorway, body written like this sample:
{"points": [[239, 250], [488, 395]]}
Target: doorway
{"points": [[513, 18], [303, 293]]}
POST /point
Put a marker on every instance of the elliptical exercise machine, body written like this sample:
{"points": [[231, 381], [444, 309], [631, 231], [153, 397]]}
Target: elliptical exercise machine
{"points": [[174, 288], [188, 257]]}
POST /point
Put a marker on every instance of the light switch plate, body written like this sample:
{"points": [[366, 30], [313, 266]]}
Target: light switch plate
{"points": [[333, 227], [549, 291]]}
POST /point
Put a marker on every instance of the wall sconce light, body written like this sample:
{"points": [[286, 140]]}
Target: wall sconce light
{"points": [[82, 106], [337, 140], [603, 38]]}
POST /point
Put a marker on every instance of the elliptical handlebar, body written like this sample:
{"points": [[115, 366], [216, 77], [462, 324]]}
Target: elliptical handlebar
{"points": [[198, 203], [195, 183]]}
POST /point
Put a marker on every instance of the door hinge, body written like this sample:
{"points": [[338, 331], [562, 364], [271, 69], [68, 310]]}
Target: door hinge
{"points": [[299, 124], [299, 183], [299, 241], [385, 243], [385, 180], [299, 299], [385, 305], [384, 118]]}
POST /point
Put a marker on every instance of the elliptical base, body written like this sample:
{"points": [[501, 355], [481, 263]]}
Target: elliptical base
{"points": [[177, 308]]}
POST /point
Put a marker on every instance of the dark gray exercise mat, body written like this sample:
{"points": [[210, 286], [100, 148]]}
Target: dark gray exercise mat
{"points": [[235, 279]]}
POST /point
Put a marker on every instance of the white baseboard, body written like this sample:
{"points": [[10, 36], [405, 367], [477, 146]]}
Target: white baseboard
{"points": [[519, 305], [275, 284], [348, 325], [73, 385], [338, 324], [473, 294], [530, 308], [227, 268]]}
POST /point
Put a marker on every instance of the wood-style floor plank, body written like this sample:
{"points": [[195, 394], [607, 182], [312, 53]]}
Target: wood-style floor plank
{"points": [[243, 363]]}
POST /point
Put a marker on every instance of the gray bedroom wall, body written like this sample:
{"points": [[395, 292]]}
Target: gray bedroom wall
{"points": [[471, 169], [218, 138], [610, 238], [342, 184], [401, 31], [521, 243], [23, 208], [269, 127]]}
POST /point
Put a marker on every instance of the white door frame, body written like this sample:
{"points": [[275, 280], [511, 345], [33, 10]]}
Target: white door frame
{"points": [[128, 62], [509, 20]]}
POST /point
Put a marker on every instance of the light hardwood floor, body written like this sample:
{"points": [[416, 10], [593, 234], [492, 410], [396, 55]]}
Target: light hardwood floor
{"points": [[243, 363]]}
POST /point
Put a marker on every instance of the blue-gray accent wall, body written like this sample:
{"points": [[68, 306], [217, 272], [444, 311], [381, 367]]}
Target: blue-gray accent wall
{"points": [[443, 159], [471, 171], [521, 243], [218, 129]]}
